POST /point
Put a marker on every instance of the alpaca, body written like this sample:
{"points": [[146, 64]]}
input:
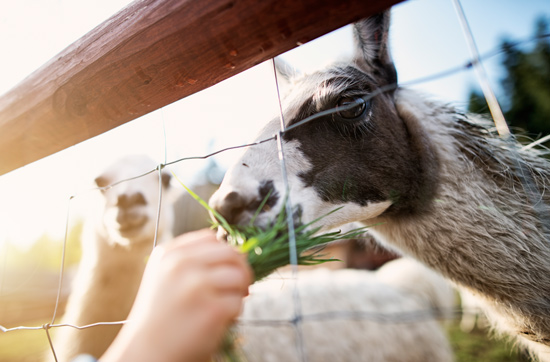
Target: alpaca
{"points": [[115, 246], [434, 183], [400, 287]]}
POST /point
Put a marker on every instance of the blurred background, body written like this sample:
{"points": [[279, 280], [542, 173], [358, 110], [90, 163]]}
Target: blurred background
{"points": [[426, 39]]}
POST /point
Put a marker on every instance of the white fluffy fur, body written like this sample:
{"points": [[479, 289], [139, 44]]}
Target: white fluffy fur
{"points": [[400, 287]]}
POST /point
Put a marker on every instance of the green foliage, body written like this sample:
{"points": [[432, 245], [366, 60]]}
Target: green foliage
{"points": [[24, 345], [478, 346], [526, 85], [477, 103], [46, 252], [268, 249]]}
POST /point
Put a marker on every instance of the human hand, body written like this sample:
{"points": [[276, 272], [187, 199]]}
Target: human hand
{"points": [[191, 292]]}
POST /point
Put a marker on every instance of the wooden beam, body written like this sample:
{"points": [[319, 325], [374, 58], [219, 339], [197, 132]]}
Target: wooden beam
{"points": [[150, 54]]}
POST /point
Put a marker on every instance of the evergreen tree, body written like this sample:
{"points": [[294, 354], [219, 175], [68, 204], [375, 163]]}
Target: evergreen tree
{"points": [[477, 103], [526, 85]]}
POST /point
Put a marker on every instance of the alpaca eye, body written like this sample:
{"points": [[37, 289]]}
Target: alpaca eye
{"points": [[353, 107]]}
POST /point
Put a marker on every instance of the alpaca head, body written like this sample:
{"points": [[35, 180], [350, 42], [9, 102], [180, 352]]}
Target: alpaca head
{"points": [[357, 155], [130, 207]]}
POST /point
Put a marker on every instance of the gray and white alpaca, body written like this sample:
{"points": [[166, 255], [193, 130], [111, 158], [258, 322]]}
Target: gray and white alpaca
{"points": [[116, 241], [332, 303], [434, 183]]}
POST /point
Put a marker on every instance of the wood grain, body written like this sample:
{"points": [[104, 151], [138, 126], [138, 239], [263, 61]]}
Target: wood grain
{"points": [[150, 54]]}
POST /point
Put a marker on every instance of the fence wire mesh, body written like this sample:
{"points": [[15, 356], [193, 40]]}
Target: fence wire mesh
{"points": [[299, 314]]}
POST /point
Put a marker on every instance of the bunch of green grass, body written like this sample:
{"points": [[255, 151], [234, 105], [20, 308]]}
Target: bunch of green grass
{"points": [[268, 248]]}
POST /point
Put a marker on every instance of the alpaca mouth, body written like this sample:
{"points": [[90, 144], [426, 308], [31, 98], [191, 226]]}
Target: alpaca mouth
{"points": [[130, 226], [262, 223]]}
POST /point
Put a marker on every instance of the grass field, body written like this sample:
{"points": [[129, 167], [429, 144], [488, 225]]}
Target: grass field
{"points": [[477, 346], [27, 346], [24, 345]]}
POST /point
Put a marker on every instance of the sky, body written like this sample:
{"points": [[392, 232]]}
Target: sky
{"points": [[425, 38]]}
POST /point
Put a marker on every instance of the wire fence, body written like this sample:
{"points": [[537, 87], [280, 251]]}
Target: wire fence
{"points": [[299, 315]]}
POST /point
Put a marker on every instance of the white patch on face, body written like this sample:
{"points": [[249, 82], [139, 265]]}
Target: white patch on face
{"points": [[258, 164], [346, 213]]}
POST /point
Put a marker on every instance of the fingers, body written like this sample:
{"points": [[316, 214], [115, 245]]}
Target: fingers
{"points": [[229, 308], [228, 279], [203, 249], [199, 262]]}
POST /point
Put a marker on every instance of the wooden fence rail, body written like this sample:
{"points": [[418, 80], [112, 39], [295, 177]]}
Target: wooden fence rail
{"points": [[150, 54]]}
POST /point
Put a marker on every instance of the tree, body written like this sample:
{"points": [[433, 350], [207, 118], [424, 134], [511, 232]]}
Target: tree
{"points": [[526, 85]]}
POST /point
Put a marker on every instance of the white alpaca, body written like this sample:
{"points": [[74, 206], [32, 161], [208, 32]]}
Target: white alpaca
{"points": [[434, 183], [351, 315], [115, 246]]}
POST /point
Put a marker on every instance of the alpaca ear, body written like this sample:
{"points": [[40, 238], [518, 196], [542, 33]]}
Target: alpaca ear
{"points": [[101, 181], [165, 177], [372, 52], [285, 72]]}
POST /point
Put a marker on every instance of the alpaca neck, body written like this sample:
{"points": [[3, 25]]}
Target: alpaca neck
{"points": [[107, 281], [479, 232]]}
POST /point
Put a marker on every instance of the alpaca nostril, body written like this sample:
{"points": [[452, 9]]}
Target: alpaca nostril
{"points": [[139, 199], [130, 200], [236, 207], [231, 207], [122, 201], [234, 198]]}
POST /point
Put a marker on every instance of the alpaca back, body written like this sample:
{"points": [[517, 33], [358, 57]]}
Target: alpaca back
{"points": [[348, 315]]}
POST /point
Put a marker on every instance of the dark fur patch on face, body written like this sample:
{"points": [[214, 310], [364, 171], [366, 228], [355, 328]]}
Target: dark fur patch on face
{"points": [[382, 161], [265, 190], [238, 209], [336, 84]]}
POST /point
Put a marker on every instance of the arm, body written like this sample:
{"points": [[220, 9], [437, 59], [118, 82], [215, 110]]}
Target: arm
{"points": [[191, 292]]}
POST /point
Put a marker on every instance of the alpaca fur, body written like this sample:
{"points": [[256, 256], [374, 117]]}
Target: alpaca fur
{"points": [[400, 287], [115, 245], [480, 230], [435, 184]]}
